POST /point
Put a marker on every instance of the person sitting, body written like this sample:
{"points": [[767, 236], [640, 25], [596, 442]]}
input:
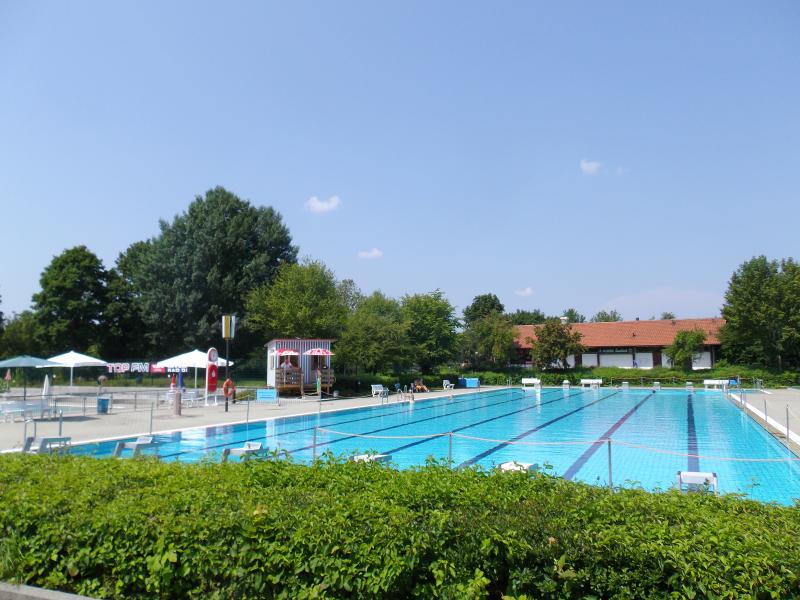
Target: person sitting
{"points": [[419, 386]]}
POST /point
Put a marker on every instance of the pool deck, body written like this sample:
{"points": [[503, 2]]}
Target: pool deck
{"points": [[130, 423], [776, 403]]}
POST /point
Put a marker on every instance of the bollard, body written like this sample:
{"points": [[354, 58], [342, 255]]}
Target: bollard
{"points": [[610, 481], [766, 420], [150, 430], [84, 406], [134, 401], [314, 446], [247, 419], [450, 450], [60, 422]]}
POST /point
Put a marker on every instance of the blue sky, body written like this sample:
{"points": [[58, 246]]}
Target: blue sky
{"points": [[597, 155]]}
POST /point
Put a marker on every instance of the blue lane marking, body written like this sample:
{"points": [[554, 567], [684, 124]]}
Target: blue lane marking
{"points": [[425, 440], [576, 466], [433, 404], [489, 420], [466, 410], [502, 445], [691, 436]]}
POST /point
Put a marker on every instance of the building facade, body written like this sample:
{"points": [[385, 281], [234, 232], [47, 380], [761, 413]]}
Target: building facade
{"points": [[630, 344]]}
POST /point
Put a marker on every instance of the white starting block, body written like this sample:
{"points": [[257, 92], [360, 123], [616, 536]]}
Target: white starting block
{"points": [[656, 386], [565, 384], [591, 383], [244, 453], [715, 384], [689, 386], [696, 481], [142, 442], [625, 385], [531, 382], [381, 458], [518, 466], [47, 445]]}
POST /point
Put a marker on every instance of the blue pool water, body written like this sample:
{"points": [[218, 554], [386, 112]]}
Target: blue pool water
{"points": [[651, 433]]}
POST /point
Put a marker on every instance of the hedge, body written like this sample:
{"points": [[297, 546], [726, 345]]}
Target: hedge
{"points": [[274, 529]]}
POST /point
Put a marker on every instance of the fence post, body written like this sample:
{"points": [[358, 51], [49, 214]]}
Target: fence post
{"points": [[610, 481], [450, 450], [787, 423], [60, 422], [84, 406], [314, 445], [135, 394], [247, 419], [150, 430], [765, 412]]}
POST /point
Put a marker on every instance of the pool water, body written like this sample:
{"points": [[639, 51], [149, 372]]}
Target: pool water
{"points": [[654, 435]]}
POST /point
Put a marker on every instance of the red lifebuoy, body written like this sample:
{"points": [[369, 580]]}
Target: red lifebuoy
{"points": [[228, 389]]}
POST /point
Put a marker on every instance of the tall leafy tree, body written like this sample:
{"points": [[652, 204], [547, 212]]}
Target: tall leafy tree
{"points": [[488, 341], [554, 342], [22, 335], [69, 306], [762, 314], [304, 301], [573, 316], [482, 305], [606, 316], [685, 346], [202, 265], [432, 326], [375, 337], [527, 317]]}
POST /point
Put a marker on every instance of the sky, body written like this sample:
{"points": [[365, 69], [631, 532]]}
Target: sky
{"points": [[596, 155]]}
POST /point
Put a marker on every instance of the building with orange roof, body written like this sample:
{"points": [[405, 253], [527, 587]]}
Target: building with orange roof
{"points": [[630, 344]]}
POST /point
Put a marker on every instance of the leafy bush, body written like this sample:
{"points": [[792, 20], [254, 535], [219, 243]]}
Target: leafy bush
{"points": [[273, 529]]}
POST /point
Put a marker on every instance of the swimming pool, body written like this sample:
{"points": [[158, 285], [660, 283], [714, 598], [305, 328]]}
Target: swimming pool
{"points": [[654, 435]]}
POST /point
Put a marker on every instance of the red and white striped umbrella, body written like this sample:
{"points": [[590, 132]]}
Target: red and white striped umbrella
{"points": [[286, 352], [318, 352]]}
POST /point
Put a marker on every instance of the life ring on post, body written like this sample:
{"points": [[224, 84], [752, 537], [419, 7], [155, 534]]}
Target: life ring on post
{"points": [[228, 389]]}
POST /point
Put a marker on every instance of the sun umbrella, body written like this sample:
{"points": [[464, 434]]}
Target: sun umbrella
{"points": [[74, 359], [286, 352], [46, 386], [318, 352], [194, 359], [23, 361]]}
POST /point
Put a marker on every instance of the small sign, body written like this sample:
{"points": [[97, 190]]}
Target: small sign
{"points": [[266, 395], [228, 327]]}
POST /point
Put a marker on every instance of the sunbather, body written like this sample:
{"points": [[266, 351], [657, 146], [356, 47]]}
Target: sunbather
{"points": [[419, 386]]}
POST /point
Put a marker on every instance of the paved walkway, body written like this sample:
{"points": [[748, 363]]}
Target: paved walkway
{"points": [[776, 409], [129, 418]]}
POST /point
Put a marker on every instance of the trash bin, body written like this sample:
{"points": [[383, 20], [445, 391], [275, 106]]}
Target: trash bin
{"points": [[102, 405]]}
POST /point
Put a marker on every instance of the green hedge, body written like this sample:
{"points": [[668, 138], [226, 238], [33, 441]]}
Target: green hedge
{"points": [[273, 529]]}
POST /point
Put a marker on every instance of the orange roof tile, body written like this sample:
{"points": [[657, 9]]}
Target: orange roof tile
{"points": [[622, 334]]}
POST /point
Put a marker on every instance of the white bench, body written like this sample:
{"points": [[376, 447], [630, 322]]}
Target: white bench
{"points": [[371, 458], [244, 453], [591, 383], [531, 381], [142, 442], [715, 384], [513, 465], [696, 481]]}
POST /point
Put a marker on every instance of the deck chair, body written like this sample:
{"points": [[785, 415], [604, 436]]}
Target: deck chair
{"points": [[447, 385], [377, 389]]}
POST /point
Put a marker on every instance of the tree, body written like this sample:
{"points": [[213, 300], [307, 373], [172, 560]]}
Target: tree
{"points": [[431, 323], [686, 345], [527, 317], [304, 301], [762, 314], [22, 335], [375, 337], [667, 316], [69, 306], [606, 316], [573, 316], [554, 342], [203, 265], [351, 295], [481, 306], [488, 341], [2, 318]]}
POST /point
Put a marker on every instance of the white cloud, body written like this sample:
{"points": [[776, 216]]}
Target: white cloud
{"points": [[590, 167], [525, 292], [622, 171], [315, 205], [374, 253]]}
